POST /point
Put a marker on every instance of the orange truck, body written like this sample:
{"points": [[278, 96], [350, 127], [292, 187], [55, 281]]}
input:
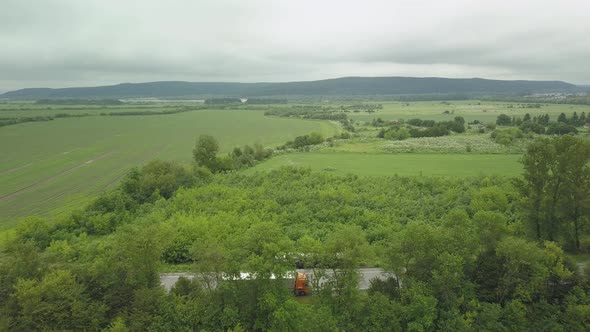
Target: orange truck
{"points": [[301, 286]]}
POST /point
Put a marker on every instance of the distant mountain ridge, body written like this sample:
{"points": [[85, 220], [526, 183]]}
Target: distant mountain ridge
{"points": [[338, 86]]}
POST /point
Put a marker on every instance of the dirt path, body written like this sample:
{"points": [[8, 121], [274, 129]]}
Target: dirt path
{"points": [[51, 178], [15, 169], [37, 161]]}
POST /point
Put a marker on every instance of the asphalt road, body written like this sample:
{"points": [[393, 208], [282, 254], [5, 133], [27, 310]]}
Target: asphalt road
{"points": [[168, 280]]}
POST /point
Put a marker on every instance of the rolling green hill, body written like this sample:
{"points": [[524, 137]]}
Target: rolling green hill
{"points": [[338, 86]]}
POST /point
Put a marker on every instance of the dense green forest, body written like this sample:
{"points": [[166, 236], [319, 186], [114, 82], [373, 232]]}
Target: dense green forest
{"points": [[465, 254]]}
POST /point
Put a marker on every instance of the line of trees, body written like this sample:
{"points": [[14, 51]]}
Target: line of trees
{"points": [[369, 108], [41, 118], [164, 112], [542, 124], [17, 120], [334, 113], [561, 99], [556, 187], [79, 108], [266, 101], [507, 136], [303, 141], [430, 128], [206, 151], [12, 121], [68, 101], [222, 101], [314, 113]]}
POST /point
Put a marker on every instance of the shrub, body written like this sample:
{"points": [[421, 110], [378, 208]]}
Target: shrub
{"points": [[561, 128], [506, 136], [503, 120]]}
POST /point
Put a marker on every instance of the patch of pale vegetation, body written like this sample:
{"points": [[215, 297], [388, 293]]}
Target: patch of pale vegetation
{"points": [[463, 143], [452, 144]]}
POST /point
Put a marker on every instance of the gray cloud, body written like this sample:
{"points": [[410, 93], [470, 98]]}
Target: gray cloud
{"points": [[59, 43]]}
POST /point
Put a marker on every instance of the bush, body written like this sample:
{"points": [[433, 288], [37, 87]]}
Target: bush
{"points": [[560, 128], [344, 135], [304, 141], [503, 120], [397, 135], [457, 125], [161, 177], [506, 136], [529, 126], [435, 131]]}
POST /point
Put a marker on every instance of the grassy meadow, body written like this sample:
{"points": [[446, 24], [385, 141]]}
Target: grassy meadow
{"points": [[53, 166], [402, 164]]}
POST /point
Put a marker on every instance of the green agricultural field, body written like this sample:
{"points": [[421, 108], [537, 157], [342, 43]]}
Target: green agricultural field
{"points": [[485, 111], [403, 164], [50, 167], [28, 109]]}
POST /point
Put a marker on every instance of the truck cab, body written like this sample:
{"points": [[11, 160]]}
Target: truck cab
{"points": [[301, 285]]}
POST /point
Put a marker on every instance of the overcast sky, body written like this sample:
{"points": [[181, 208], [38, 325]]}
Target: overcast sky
{"points": [[61, 43]]}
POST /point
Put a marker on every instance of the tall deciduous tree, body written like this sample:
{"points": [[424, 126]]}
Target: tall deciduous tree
{"points": [[56, 302], [503, 120], [556, 186], [536, 178], [574, 193], [205, 152], [562, 118]]}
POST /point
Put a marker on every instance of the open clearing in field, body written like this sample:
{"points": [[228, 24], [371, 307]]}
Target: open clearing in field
{"points": [[51, 167], [403, 164]]}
